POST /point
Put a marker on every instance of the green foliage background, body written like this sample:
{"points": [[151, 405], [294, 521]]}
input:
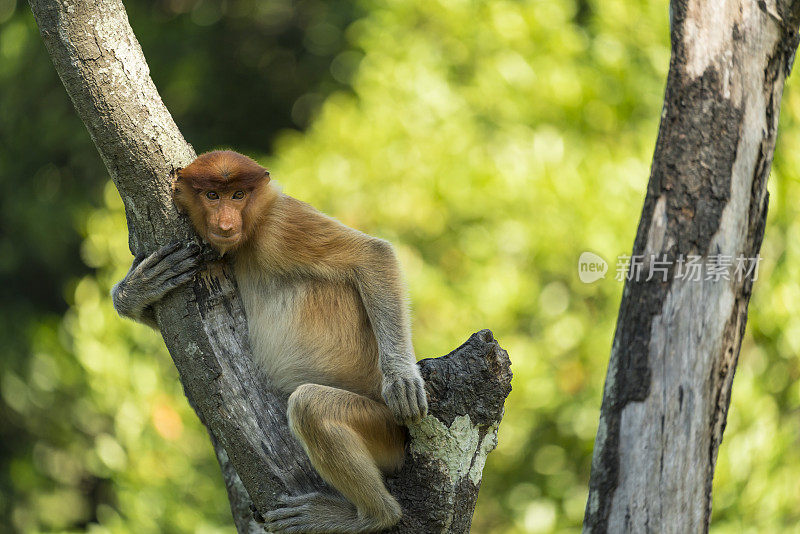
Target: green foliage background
{"points": [[493, 142]]}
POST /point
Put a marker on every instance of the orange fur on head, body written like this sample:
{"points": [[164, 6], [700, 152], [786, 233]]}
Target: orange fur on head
{"points": [[207, 189]]}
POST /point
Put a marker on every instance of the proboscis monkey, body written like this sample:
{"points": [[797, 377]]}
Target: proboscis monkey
{"points": [[328, 324]]}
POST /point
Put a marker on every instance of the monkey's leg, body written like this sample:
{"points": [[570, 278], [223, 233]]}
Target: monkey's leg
{"points": [[349, 439]]}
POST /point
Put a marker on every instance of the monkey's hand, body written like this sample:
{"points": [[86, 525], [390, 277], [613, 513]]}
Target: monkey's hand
{"points": [[152, 277], [404, 393]]}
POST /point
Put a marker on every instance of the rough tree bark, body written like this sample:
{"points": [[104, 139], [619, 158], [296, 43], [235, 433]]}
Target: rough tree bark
{"points": [[677, 340], [104, 71]]}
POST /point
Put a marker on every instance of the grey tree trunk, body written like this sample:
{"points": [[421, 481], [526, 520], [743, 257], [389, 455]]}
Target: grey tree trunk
{"points": [[104, 71], [677, 340]]}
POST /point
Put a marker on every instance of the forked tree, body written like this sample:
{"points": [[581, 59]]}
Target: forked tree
{"points": [[104, 71]]}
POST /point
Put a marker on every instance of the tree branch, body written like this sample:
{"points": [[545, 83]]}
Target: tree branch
{"points": [[104, 71]]}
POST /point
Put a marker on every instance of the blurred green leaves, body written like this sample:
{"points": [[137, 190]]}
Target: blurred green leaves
{"points": [[493, 142], [63, 387]]}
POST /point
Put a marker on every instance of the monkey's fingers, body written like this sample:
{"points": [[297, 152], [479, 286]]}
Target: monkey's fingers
{"points": [[417, 400], [163, 283], [403, 398], [314, 513], [177, 281], [176, 262], [157, 256], [422, 401], [396, 399], [293, 525], [148, 291], [186, 264], [154, 265], [284, 512]]}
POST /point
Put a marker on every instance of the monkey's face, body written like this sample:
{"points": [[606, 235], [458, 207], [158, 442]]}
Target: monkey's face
{"points": [[222, 191], [223, 217]]}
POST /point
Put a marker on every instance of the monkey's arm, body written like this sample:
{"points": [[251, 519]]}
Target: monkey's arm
{"points": [[152, 277], [380, 284], [305, 239]]}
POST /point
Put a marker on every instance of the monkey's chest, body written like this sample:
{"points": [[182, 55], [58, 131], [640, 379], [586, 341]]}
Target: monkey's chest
{"points": [[310, 332]]}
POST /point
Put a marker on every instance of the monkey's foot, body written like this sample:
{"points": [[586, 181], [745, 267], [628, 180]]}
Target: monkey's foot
{"points": [[318, 513]]}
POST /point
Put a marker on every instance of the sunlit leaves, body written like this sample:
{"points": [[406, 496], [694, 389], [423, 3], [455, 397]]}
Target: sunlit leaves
{"points": [[493, 142]]}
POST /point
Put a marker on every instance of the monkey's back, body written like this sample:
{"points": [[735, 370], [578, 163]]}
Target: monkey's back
{"points": [[309, 331]]}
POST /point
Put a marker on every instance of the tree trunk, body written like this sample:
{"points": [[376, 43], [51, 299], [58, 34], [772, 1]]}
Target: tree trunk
{"points": [[104, 71], [677, 340]]}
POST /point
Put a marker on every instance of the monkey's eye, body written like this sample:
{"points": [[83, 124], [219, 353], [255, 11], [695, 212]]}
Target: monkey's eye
{"points": [[212, 195], [238, 195]]}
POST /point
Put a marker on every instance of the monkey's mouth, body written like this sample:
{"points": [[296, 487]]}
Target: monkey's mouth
{"points": [[218, 239]]}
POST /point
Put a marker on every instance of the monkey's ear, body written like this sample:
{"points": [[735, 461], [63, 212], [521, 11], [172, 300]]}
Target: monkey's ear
{"points": [[177, 191]]}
